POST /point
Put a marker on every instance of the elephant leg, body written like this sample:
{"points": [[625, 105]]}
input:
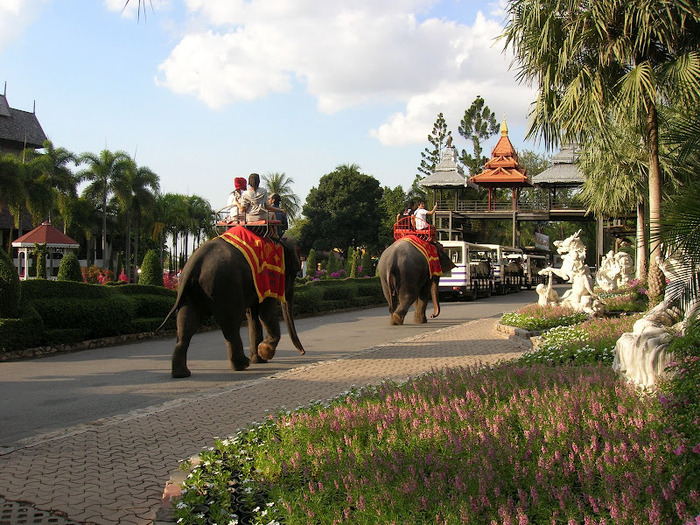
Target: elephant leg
{"points": [[230, 323], [271, 324], [255, 333], [404, 303], [420, 305], [187, 323]]}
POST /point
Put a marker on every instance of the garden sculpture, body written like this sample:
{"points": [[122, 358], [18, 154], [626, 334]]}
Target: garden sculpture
{"points": [[616, 270], [641, 356], [574, 270]]}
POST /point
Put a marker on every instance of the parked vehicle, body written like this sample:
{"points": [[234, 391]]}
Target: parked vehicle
{"points": [[508, 268], [473, 275], [532, 264]]}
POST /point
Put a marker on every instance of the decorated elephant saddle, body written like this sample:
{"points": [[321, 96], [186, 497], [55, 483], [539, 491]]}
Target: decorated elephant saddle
{"points": [[429, 251], [266, 260]]}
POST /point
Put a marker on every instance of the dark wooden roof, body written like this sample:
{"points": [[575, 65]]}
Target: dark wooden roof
{"points": [[7, 221], [19, 129], [564, 171]]}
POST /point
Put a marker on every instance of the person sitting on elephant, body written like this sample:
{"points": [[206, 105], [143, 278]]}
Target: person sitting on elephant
{"points": [[239, 186], [275, 201], [421, 215], [254, 202]]}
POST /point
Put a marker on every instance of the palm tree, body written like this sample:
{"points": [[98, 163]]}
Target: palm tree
{"points": [[102, 170], [616, 174], [53, 172], [282, 185], [591, 60], [135, 189], [12, 192]]}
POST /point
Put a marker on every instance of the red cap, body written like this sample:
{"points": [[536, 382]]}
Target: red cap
{"points": [[239, 183]]}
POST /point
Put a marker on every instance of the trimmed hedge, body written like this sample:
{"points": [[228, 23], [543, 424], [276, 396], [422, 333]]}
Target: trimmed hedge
{"points": [[66, 312]]}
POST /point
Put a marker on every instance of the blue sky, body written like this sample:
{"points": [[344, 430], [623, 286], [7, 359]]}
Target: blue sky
{"points": [[202, 91]]}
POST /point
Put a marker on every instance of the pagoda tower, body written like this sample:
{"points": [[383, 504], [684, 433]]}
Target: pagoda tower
{"points": [[503, 170]]}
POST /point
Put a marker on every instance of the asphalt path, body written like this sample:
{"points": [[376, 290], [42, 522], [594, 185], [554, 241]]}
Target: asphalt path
{"points": [[53, 393]]}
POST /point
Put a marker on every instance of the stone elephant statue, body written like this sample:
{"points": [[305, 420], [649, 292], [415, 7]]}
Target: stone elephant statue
{"points": [[406, 279], [217, 280]]}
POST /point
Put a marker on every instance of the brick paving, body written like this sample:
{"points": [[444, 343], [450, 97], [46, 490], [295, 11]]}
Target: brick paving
{"points": [[114, 471]]}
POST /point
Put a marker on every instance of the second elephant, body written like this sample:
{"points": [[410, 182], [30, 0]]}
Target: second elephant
{"points": [[407, 278]]}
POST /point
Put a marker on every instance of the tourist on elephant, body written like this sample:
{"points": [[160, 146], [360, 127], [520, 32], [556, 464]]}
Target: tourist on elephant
{"points": [[254, 202], [239, 186], [421, 215]]}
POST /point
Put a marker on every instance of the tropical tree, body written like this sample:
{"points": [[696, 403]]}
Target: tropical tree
{"points": [[103, 171], [431, 156], [135, 189], [282, 185], [12, 192], [593, 60], [477, 125], [55, 177], [343, 210], [393, 202]]}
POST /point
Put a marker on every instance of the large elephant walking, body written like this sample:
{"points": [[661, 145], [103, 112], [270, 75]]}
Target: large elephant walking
{"points": [[218, 280], [407, 278]]}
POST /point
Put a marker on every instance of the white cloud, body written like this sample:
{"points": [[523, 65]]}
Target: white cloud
{"points": [[15, 16], [363, 53]]}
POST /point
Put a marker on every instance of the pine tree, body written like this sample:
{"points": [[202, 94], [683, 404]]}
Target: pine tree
{"points": [[438, 138], [478, 124]]}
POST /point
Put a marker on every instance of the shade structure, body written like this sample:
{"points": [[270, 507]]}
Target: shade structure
{"points": [[503, 170], [56, 242]]}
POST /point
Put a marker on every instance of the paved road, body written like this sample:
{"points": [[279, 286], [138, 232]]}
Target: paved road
{"points": [[50, 393], [112, 470]]}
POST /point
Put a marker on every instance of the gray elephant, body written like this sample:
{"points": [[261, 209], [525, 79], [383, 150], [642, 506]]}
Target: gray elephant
{"points": [[407, 279], [217, 280]]}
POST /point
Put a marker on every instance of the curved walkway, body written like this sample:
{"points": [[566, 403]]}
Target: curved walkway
{"points": [[114, 471]]}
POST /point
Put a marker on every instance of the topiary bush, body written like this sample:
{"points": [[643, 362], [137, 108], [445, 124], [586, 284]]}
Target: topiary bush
{"points": [[69, 269], [10, 291], [151, 269]]}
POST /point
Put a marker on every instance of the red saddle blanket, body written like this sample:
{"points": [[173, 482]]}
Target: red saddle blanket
{"points": [[266, 260], [429, 251]]}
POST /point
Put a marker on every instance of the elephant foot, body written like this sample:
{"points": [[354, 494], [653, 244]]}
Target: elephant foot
{"points": [[396, 320], [180, 373], [266, 351], [241, 365], [257, 359]]}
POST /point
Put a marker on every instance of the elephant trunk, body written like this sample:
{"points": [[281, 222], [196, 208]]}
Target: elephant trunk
{"points": [[436, 300], [291, 328]]}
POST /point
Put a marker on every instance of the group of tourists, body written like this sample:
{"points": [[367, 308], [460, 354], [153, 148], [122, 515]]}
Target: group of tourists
{"points": [[249, 203]]}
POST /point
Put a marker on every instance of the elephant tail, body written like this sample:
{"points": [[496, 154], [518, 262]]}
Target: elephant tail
{"points": [[175, 307]]}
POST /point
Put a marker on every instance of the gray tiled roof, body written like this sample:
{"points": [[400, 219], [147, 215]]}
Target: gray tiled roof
{"points": [[563, 171], [19, 127], [447, 174]]}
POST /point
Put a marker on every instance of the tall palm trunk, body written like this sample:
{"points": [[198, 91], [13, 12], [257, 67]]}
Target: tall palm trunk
{"points": [[655, 277], [127, 248], [641, 242], [136, 245]]}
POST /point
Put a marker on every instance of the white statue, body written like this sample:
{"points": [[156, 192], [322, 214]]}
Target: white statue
{"points": [[616, 270], [642, 356], [574, 269], [626, 268], [607, 275]]}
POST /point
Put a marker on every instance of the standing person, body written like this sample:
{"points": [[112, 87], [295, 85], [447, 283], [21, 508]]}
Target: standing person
{"points": [[421, 215]]}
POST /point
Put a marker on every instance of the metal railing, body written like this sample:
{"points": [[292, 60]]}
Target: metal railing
{"points": [[483, 207]]}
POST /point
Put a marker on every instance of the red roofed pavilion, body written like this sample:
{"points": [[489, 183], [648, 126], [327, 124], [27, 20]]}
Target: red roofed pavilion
{"points": [[55, 240], [503, 170]]}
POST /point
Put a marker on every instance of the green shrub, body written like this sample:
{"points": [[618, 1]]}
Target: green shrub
{"points": [[308, 299], [148, 305], [40, 254], [151, 269], [38, 289], [536, 317], [311, 263], [69, 269], [10, 291], [27, 331]]}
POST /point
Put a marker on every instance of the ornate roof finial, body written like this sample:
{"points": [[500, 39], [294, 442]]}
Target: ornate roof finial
{"points": [[504, 127]]}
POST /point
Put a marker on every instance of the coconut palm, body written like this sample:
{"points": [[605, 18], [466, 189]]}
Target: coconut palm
{"points": [[588, 61], [102, 171], [53, 171], [282, 185], [12, 192], [135, 188]]}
